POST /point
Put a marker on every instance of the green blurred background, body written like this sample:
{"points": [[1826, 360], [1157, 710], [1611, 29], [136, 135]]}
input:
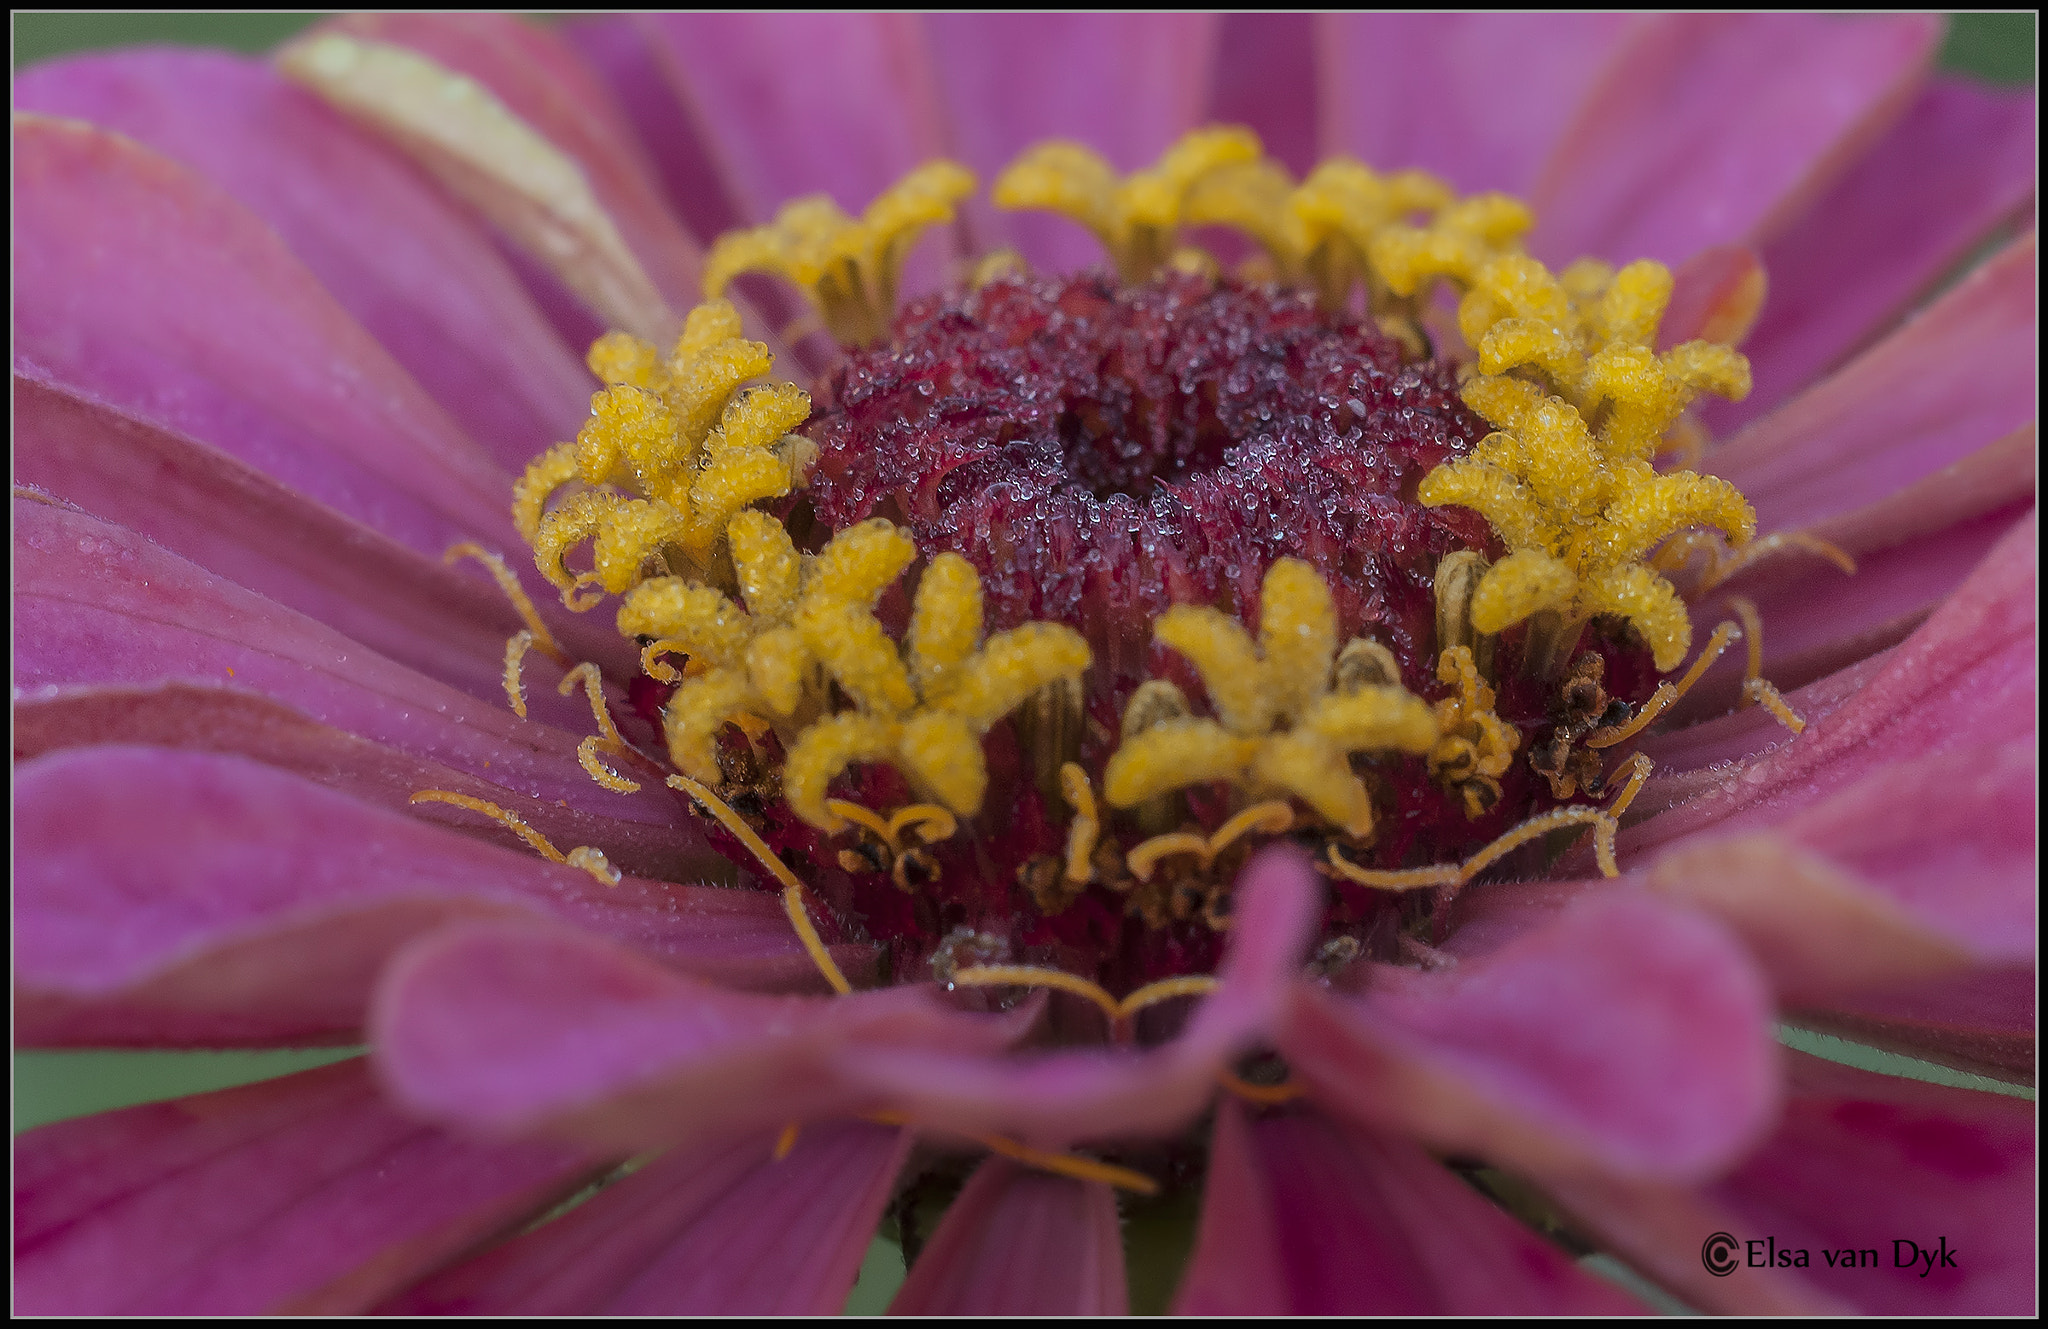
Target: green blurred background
{"points": [[51, 1086]]}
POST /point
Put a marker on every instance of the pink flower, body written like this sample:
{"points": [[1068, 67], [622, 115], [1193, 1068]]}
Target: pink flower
{"points": [[268, 369]]}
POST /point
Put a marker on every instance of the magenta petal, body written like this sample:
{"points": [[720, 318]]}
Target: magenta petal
{"points": [[231, 519], [721, 1230], [1961, 161], [198, 899], [1475, 98], [620, 49], [1982, 1021], [1860, 1160], [97, 604], [1957, 378], [420, 277], [1709, 128], [1127, 85], [540, 79], [1857, 1162], [1301, 1216], [1017, 1242], [140, 284], [1058, 1097], [237, 723], [514, 1027], [1627, 1035], [1266, 79], [1965, 678], [835, 104], [304, 1194]]}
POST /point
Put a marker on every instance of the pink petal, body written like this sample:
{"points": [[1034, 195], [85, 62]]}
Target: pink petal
{"points": [[513, 1027], [1475, 98], [1018, 1242], [1127, 85], [1057, 1097], [236, 723], [1957, 378], [1301, 1216], [187, 898], [1965, 678], [233, 520], [540, 79], [624, 54], [141, 285], [1627, 1035], [1982, 1021], [1917, 870], [97, 604], [835, 104], [1266, 78], [720, 1230], [304, 1195], [1959, 162], [1711, 128], [1857, 1162], [419, 276]]}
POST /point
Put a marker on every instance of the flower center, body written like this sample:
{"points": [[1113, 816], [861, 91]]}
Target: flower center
{"points": [[1066, 594]]}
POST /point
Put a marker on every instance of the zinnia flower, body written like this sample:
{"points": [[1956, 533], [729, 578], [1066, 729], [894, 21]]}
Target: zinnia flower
{"points": [[285, 333]]}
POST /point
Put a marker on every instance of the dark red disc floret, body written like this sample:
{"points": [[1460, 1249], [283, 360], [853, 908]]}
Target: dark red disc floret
{"points": [[1100, 453]]}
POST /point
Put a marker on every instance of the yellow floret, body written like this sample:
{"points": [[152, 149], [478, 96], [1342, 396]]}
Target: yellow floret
{"points": [[848, 268], [1011, 666], [695, 714], [1285, 681], [941, 752], [824, 750], [697, 618], [1137, 217], [1171, 754], [671, 456], [945, 624], [769, 569], [1570, 376]]}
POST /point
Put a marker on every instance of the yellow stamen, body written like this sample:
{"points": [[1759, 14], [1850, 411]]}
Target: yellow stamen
{"points": [[513, 591], [1086, 826], [1753, 638], [1666, 693], [516, 647], [1273, 817], [1722, 566], [1065, 1165], [865, 817], [1165, 989], [1032, 976], [1406, 879], [593, 861], [1458, 874], [590, 860], [1144, 857], [1640, 767], [1265, 1095], [786, 1141], [792, 888], [607, 739], [1761, 690], [931, 822], [1070, 1165]]}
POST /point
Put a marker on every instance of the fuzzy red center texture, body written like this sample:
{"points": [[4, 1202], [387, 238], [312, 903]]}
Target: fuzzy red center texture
{"points": [[1100, 453]]}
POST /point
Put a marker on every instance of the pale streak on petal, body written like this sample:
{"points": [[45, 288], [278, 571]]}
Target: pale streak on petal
{"points": [[470, 141]]}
